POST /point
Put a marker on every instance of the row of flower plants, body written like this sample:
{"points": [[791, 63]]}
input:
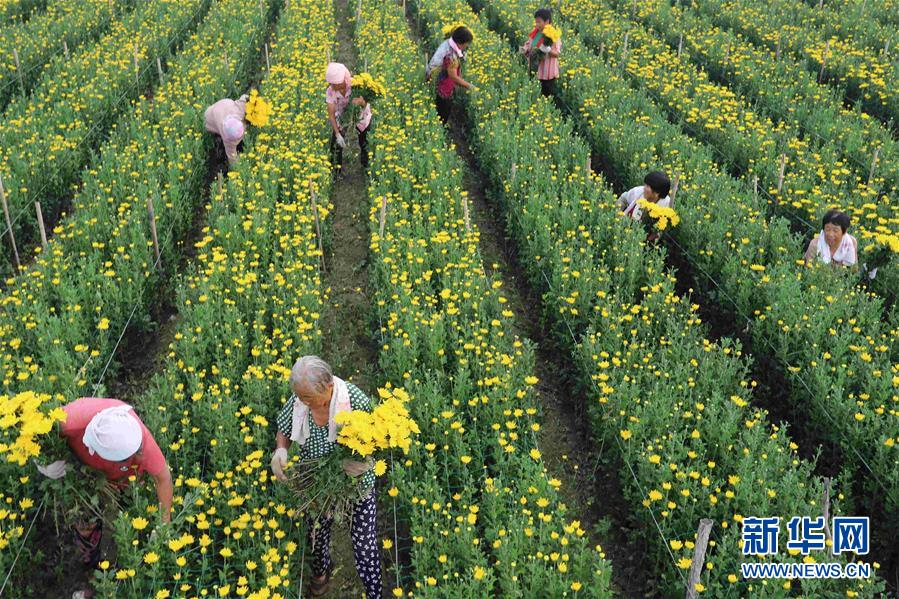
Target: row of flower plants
{"points": [[63, 318], [780, 87], [819, 172], [852, 21], [679, 405], [46, 138], [836, 350], [248, 306], [851, 18], [886, 12], [866, 74], [67, 22], [14, 10], [790, 94], [484, 516]]}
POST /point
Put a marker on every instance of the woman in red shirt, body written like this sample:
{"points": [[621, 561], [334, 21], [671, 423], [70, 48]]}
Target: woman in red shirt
{"points": [[107, 435], [448, 59]]}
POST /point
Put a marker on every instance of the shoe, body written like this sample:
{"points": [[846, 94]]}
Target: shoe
{"points": [[317, 588], [89, 546]]}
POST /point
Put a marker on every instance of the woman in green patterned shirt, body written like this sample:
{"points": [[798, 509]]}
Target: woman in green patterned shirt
{"points": [[307, 419]]}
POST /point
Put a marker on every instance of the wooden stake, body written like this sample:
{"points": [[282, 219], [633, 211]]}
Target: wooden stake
{"points": [[159, 69], [820, 4], [624, 48], [680, 45], [151, 212], [318, 226], [589, 165], [220, 180], [602, 49], [15, 54], [873, 166], [383, 217], [261, 9], [465, 212], [702, 542], [824, 61], [780, 176], [825, 502], [136, 66], [674, 185], [40, 224], [329, 55], [514, 172], [268, 64], [886, 50], [12, 237], [755, 186], [65, 49], [777, 51], [225, 58]]}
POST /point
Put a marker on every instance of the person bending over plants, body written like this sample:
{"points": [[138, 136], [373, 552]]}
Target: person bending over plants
{"points": [[106, 436], [447, 61]]}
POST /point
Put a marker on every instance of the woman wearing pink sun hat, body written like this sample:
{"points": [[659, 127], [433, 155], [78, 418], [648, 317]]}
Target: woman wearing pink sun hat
{"points": [[337, 97], [226, 120]]}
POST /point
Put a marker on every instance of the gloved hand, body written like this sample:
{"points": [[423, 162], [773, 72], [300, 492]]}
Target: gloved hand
{"points": [[545, 49], [473, 89], [279, 461], [243, 98], [53, 471], [354, 469], [340, 141]]}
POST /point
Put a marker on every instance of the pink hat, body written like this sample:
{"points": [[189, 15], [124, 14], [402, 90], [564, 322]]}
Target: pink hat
{"points": [[337, 73], [232, 128]]}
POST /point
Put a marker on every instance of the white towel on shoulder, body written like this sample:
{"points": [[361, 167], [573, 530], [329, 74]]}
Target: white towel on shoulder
{"points": [[845, 254], [340, 402]]}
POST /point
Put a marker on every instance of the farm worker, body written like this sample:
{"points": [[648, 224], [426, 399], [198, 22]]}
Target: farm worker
{"points": [[226, 120], [307, 419], [447, 61], [655, 188], [833, 245], [337, 96], [107, 435], [547, 53]]}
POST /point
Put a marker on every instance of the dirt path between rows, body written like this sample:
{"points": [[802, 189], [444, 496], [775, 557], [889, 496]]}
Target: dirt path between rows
{"points": [[589, 474], [348, 341]]}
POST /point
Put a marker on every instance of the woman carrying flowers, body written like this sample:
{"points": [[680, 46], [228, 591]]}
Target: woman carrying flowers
{"points": [[545, 43], [655, 188], [310, 419], [833, 245], [337, 97], [447, 61], [650, 204]]}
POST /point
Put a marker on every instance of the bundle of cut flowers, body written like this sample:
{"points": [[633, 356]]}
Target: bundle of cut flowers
{"points": [[369, 87], [258, 110], [321, 486]]}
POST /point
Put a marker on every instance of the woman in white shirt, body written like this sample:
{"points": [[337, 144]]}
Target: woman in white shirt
{"points": [[833, 245], [655, 188]]}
